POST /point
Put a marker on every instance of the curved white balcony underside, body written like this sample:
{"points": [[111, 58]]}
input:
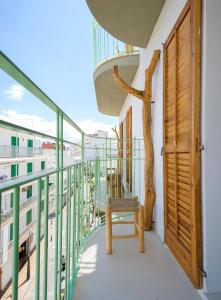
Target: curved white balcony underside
{"points": [[130, 21], [110, 97]]}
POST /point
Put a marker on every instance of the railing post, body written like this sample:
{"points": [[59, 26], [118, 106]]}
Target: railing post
{"points": [[45, 266], [106, 165], [15, 244], [57, 205], [67, 240], [38, 240], [82, 183], [60, 208], [74, 226]]}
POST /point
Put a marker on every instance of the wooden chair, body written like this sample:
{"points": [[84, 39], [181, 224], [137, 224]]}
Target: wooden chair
{"points": [[118, 205]]}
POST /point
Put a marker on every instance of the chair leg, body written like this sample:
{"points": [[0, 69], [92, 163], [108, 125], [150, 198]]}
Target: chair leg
{"points": [[141, 229], [135, 222], [108, 231]]}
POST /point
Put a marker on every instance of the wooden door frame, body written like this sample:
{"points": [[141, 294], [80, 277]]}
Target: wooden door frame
{"points": [[196, 251]]}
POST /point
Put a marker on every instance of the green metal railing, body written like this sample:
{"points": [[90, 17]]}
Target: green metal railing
{"points": [[58, 233], [18, 151], [107, 47]]}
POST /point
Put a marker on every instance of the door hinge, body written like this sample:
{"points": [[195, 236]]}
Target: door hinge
{"points": [[203, 273], [201, 148], [162, 152]]}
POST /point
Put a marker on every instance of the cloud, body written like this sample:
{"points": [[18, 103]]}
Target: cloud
{"points": [[90, 126], [49, 127], [15, 92]]}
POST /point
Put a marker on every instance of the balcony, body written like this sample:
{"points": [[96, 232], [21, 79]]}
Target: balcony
{"points": [[71, 230], [108, 52], [17, 151], [81, 189], [131, 22], [129, 275]]}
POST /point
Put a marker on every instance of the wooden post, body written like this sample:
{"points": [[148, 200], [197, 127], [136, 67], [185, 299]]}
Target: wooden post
{"points": [[118, 179], [141, 229], [145, 96], [135, 223], [108, 231]]}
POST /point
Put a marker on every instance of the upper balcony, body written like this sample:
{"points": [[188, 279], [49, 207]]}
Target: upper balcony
{"points": [[108, 52], [129, 21]]}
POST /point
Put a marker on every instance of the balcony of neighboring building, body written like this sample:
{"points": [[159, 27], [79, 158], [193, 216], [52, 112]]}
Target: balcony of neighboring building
{"points": [[109, 52], [7, 151], [129, 21]]}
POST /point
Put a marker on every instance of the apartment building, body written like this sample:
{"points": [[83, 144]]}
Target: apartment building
{"points": [[21, 155]]}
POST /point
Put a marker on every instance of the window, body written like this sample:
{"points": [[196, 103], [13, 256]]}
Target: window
{"points": [[11, 200], [14, 141], [28, 217], [14, 170], [42, 165], [29, 167], [30, 143], [14, 146], [29, 191], [11, 232]]}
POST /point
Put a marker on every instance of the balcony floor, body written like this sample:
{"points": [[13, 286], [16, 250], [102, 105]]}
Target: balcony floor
{"points": [[129, 275]]}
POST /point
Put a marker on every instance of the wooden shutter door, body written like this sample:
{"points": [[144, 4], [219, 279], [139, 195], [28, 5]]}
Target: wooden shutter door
{"points": [[181, 141]]}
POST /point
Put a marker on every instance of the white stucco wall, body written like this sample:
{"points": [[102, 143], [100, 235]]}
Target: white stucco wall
{"points": [[164, 25], [211, 139], [211, 126]]}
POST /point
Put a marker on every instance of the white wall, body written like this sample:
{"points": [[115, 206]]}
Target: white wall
{"points": [[211, 128], [6, 137], [211, 138], [164, 25]]}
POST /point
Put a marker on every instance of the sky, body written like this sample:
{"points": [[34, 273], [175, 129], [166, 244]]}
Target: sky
{"points": [[51, 41]]}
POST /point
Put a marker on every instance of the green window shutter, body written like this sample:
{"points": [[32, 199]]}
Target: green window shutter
{"points": [[14, 170], [29, 167], [42, 205], [29, 191], [30, 143], [42, 165], [11, 232], [14, 146], [11, 200], [28, 217], [13, 141], [42, 184]]}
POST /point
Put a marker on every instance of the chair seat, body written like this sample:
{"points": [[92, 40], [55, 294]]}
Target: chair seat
{"points": [[123, 204]]}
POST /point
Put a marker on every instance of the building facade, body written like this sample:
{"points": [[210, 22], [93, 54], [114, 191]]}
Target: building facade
{"points": [[185, 119]]}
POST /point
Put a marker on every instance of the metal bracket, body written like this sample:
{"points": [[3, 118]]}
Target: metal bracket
{"points": [[203, 273], [162, 152], [201, 148]]}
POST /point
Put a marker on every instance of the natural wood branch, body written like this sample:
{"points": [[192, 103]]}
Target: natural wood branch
{"points": [[116, 133], [154, 61], [125, 86], [148, 143], [149, 73], [146, 97]]}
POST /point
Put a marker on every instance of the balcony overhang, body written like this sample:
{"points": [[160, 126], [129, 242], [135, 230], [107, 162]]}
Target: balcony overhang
{"points": [[130, 21], [110, 97]]}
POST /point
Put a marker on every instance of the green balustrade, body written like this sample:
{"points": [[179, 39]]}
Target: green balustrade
{"points": [[107, 47], [78, 205]]}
